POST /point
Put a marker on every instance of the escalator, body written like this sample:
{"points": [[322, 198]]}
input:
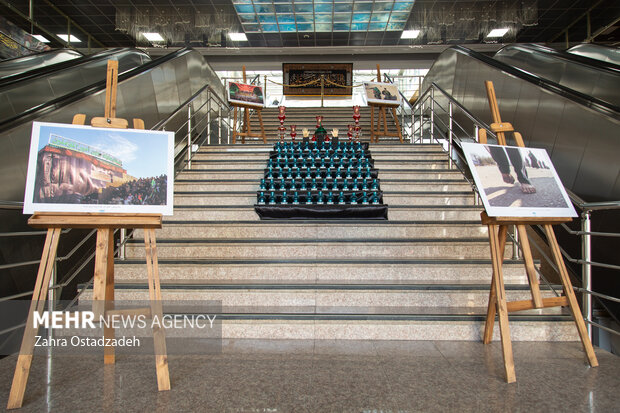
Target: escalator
{"points": [[579, 131], [598, 52], [582, 74], [24, 91], [22, 64]]}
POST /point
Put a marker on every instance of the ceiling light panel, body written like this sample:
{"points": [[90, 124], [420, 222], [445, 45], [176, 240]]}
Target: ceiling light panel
{"points": [[272, 16]]}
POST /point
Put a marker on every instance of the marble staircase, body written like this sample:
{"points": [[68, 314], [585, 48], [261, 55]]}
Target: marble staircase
{"points": [[424, 274]]}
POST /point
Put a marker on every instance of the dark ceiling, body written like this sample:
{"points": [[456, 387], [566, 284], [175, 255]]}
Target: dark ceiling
{"points": [[203, 23]]}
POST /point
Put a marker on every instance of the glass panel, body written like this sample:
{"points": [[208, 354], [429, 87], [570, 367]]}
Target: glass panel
{"points": [[323, 8], [262, 1], [284, 8], [323, 27], [243, 8], [242, 1], [362, 6], [286, 18], [361, 17], [305, 27], [269, 27], [247, 18], [396, 26], [342, 7], [359, 26], [406, 6], [380, 17], [267, 18], [248, 28], [383, 6], [400, 17], [376, 26], [304, 18], [303, 8], [264, 8], [323, 18], [342, 17], [288, 28], [341, 27]]}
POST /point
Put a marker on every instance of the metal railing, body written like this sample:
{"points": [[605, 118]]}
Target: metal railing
{"points": [[435, 111], [197, 113]]}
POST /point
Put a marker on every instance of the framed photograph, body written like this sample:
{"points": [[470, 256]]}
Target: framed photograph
{"points": [[76, 168], [246, 95], [517, 182], [382, 93]]}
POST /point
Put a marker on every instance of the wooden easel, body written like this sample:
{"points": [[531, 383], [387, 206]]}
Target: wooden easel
{"points": [[382, 118], [498, 229], [246, 130], [103, 282]]}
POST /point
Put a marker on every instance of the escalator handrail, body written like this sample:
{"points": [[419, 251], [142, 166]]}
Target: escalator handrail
{"points": [[573, 58], [48, 70], [76, 95], [577, 97], [31, 55]]}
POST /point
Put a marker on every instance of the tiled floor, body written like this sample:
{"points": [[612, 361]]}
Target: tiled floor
{"points": [[329, 376]]}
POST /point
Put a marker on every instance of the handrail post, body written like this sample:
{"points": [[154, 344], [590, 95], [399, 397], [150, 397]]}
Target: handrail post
{"points": [[476, 128], [586, 269], [208, 117], [121, 249], [422, 122], [189, 136], [432, 137], [450, 136], [515, 244], [219, 124]]}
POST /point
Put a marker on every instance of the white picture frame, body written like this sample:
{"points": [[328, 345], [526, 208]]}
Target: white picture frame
{"points": [[77, 168], [382, 93], [517, 181]]}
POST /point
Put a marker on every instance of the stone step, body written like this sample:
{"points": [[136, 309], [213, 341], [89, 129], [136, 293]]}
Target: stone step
{"points": [[399, 198], [317, 229], [264, 156], [293, 270], [183, 185], [258, 173], [227, 163], [357, 299], [426, 326], [395, 212], [467, 248]]}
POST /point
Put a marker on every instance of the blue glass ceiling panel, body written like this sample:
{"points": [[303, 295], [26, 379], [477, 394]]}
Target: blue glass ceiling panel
{"points": [[376, 26], [322, 15], [361, 17], [244, 8], [362, 6], [305, 27], [286, 18], [323, 8]]}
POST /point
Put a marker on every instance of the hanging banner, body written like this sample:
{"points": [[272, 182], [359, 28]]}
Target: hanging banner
{"points": [[305, 78]]}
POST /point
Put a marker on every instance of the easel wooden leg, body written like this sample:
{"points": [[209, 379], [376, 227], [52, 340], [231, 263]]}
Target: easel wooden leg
{"points": [[152, 266], [502, 310], [234, 127], [384, 118], [532, 277], [400, 132], [22, 369], [247, 127], [108, 332], [570, 294], [492, 306]]}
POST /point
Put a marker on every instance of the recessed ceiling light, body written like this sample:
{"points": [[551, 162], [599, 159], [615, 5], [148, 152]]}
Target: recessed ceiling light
{"points": [[238, 37], [497, 33], [65, 38], [40, 38], [410, 34], [153, 37]]}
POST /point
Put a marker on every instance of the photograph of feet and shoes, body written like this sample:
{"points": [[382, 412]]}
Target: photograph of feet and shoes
{"points": [[373, 206]]}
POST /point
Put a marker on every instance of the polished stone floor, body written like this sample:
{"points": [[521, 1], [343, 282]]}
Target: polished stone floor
{"points": [[329, 376]]}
